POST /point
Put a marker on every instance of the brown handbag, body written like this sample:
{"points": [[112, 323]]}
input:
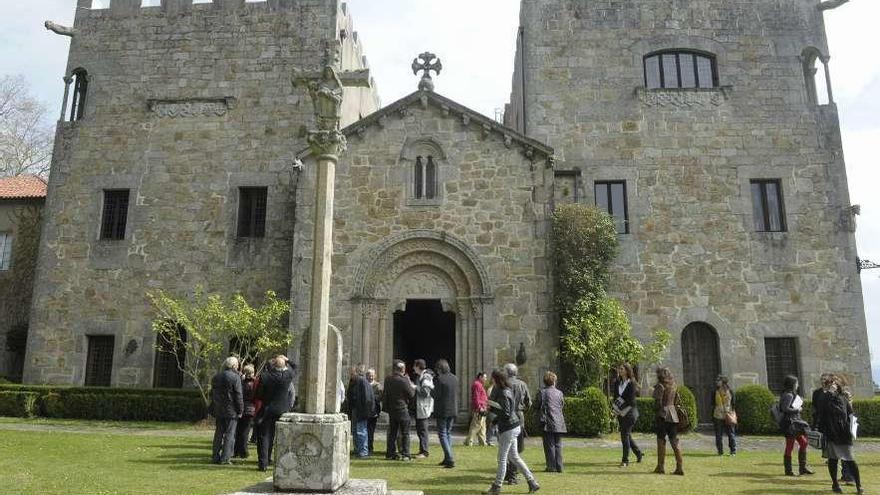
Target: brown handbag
{"points": [[731, 419]]}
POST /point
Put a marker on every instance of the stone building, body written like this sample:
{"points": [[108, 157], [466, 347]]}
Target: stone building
{"points": [[699, 125], [21, 207]]}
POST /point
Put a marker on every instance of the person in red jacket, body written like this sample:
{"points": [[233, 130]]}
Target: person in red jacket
{"points": [[479, 405]]}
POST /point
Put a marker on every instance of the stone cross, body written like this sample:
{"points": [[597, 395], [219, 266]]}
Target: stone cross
{"points": [[326, 144], [427, 62]]}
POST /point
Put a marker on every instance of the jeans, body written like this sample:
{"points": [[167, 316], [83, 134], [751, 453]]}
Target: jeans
{"points": [[266, 439], [520, 446], [371, 433], [721, 429], [397, 428], [553, 451], [359, 428], [626, 428], [224, 439], [242, 432], [444, 432], [507, 452], [477, 429], [422, 433]]}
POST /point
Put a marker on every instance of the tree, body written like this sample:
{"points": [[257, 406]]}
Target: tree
{"points": [[595, 332], [25, 137], [198, 329]]}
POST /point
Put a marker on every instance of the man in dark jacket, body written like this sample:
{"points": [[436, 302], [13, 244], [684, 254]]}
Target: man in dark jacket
{"points": [[523, 400], [275, 392], [226, 395], [399, 391], [360, 404], [445, 409]]}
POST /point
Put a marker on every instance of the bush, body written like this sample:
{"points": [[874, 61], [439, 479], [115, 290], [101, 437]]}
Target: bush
{"points": [[868, 412], [18, 404], [753, 404], [588, 414], [689, 404], [65, 390]]}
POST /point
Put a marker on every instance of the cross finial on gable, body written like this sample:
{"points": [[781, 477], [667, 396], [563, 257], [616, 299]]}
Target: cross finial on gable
{"points": [[426, 62]]}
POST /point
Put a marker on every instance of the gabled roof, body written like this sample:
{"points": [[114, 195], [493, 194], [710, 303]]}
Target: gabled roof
{"points": [[22, 187], [533, 150]]}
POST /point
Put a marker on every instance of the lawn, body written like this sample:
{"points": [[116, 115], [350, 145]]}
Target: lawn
{"points": [[101, 462]]}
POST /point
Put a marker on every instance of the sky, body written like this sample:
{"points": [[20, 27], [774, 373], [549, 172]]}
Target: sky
{"points": [[475, 40]]}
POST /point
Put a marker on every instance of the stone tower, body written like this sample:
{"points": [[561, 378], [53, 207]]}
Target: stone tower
{"points": [[709, 130], [173, 169]]}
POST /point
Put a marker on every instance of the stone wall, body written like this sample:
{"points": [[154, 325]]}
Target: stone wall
{"points": [[480, 247], [687, 156], [186, 104]]}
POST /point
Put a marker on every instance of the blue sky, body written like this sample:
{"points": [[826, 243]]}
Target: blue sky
{"points": [[475, 40]]}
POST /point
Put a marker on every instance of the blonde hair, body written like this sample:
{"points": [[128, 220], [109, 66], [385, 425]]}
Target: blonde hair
{"points": [[248, 371], [549, 378]]}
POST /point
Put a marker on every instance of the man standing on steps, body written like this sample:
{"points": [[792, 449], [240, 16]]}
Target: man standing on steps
{"points": [[445, 409], [523, 401], [424, 404], [226, 394]]}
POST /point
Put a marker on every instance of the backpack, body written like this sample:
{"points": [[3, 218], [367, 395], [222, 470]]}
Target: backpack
{"points": [[776, 413]]}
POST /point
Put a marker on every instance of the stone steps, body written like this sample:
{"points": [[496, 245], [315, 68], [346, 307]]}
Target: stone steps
{"points": [[353, 487]]}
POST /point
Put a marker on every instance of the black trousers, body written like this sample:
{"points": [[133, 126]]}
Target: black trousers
{"points": [[224, 439], [553, 451], [398, 430], [266, 439], [422, 433], [371, 432], [626, 437], [520, 446], [242, 432]]}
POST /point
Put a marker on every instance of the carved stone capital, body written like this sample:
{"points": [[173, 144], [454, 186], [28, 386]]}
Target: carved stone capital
{"points": [[327, 143]]}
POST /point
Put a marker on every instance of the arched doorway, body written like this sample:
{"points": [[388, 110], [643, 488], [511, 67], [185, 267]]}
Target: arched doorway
{"points": [[423, 292], [701, 361]]}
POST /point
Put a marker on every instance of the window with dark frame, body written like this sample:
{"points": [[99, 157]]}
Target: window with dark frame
{"points": [[675, 69], [252, 211], [425, 178], [80, 91], [99, 361], [611, 197], [767, 205], [5, 251], [167, 373], [115, 214], [782, 360]]}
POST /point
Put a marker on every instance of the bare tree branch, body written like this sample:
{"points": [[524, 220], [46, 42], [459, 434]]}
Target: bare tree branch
{"points": [[25, 136]]}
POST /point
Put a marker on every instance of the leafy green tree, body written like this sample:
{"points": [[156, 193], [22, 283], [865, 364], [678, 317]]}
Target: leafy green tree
{"points": [[595, 330], [196, 330]]}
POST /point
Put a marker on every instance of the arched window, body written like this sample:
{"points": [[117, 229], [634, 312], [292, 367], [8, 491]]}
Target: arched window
{"points": [[80, 90], [425, 178], [680, 69], [818, 83]]}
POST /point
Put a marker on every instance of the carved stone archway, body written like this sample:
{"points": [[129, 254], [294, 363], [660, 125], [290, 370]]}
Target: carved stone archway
{"points": [[422, 264]]}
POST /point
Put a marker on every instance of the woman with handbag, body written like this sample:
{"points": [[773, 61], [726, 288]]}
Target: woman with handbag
{"points": [[625, 390], [724, 415], [835, 417], [667, 420], [793, 426]]}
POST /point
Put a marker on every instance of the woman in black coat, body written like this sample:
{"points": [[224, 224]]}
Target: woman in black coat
{"points": [[835, 411], [793, 426], [503, 406], [625, 390]]}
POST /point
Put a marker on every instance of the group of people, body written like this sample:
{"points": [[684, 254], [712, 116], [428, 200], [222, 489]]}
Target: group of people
{"points": [[242, 401]]}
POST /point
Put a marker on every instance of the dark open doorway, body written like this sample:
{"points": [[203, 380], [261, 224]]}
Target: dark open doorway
{"points": [[424, 331]]}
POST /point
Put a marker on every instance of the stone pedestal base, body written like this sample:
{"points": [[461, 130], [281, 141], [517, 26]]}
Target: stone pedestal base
{"points": [[353, 487], [311, 453]]}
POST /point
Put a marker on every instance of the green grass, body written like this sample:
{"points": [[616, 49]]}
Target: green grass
{"points": [[100, 463]]}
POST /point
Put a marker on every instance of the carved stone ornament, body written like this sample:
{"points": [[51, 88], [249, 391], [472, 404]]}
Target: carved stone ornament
{"points": [[59, 29], [683, 98], [332, 143], [194, 107], [426, 62]]}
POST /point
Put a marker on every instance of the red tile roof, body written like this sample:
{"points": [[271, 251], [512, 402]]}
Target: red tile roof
{"points": [[22, 187]]}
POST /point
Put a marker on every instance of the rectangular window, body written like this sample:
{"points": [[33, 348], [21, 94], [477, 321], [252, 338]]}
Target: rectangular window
{"points": [[167, 373], [611, 197], [767, 206], [670, 71], [252, 211], [115, 214], [652, 73], [5, 251], [99, 361], [782, 360]]}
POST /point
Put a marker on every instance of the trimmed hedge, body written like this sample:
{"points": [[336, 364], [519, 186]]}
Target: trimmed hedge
{"points": [[753, 404], [106, 403], [19, 404], [588, 414]]}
